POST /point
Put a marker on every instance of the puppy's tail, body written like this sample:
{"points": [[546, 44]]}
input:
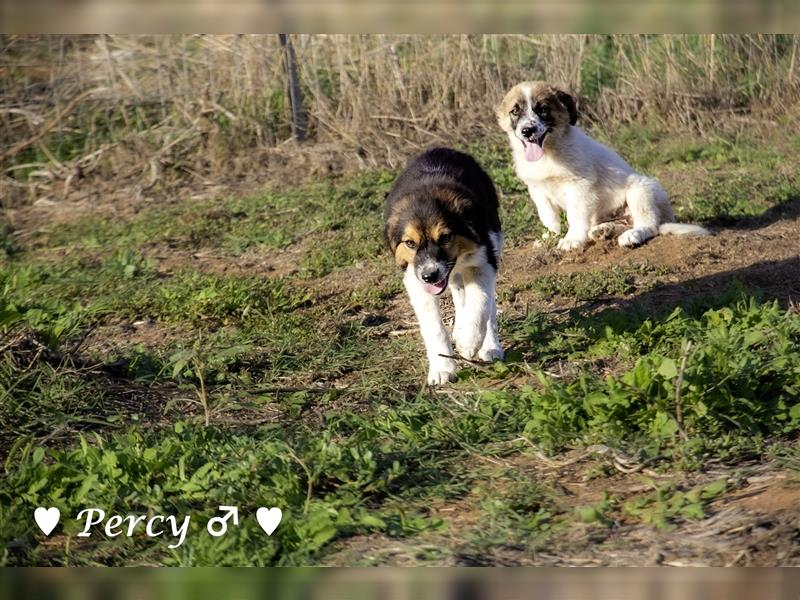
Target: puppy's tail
{"points": [[682, 229]]}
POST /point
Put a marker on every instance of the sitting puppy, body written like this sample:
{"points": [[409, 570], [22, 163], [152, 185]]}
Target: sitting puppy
{"points": [[443, 227], [567, 170]]}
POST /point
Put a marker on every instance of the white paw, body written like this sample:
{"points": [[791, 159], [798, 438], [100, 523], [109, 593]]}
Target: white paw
{"points": [[468, 338], [566, 244], [491, 354], [632, 237], [468, 348], [441, 377], [441, 370]]}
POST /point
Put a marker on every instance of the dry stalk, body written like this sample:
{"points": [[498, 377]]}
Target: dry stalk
{"points": [[678, 383], [207, 104]]}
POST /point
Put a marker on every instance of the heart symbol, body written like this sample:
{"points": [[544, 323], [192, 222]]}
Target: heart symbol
{"points": [[47, 518], [269, 518]]}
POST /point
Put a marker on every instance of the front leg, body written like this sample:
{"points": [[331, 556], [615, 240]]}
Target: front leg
{"points": [[549, 213], [434, 334], [578, 203]]}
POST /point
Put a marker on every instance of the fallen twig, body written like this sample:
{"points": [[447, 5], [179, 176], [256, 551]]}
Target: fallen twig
{"points": [[292, 390]]}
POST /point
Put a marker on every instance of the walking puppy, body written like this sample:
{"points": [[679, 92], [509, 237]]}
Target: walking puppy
{"points": [[443, 227], [566, 170]]}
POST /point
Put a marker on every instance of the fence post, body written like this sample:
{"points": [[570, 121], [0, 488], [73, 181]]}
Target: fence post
{"points": [[295, 93]]}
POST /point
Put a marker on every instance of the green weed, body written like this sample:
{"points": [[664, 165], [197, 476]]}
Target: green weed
{"points": [[667, 504]]}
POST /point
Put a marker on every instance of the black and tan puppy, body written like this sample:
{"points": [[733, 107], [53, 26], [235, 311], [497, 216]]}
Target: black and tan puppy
{"points": [[443, 227]]}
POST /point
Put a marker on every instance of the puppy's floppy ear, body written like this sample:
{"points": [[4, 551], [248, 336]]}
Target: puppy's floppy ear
{"points": [[569, 103]]}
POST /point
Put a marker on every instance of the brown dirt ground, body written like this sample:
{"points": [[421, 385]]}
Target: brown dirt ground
{"points": [[756, 523]]}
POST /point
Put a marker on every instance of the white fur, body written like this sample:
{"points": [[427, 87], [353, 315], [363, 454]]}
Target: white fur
{"points": [[593, 184], [475, 333], [681, 229]]}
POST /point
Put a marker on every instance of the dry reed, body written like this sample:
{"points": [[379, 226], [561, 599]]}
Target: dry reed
{"points": [[163, 111]]}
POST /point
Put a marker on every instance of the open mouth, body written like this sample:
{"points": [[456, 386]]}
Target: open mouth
{"points": [[533, 148], [438, 287]]}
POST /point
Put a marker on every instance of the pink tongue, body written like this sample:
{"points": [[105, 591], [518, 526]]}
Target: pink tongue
{"points": [[435, 288], [533, 151]]}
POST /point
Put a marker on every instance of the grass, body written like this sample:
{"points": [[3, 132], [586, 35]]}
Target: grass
{"points": [[302, 389], [619, 280], [720, 180]]}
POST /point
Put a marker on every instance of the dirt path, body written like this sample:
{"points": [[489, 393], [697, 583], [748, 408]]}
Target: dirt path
{"points": [[757, 523], [763, 253]]}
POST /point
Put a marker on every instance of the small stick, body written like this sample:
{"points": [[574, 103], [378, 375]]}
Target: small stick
{"points": [[292, 390], [473, 362]]}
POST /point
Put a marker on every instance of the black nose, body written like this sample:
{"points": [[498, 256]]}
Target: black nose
{"points": [[528, 131], [431, 276]]}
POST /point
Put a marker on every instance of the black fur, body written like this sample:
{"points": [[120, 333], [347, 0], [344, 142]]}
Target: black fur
{"points": [[569, 103], [542, 110], [425, 179]]}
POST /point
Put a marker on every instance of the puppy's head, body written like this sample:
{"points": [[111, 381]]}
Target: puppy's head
{"points": [[537, 114], [425, 232]]}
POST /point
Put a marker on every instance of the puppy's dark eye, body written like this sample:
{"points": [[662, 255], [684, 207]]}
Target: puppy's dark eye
{"points": [[445, 239], [411, 244], [515, 110]]}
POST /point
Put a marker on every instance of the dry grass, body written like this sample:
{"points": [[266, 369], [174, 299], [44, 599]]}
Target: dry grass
{"points": [[158, 111]]}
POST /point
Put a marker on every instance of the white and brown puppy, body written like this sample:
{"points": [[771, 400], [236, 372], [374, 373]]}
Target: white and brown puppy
{"points": [[566, 170], [443, 227]]}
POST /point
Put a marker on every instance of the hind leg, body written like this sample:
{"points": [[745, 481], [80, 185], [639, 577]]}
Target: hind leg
{"points": [[646, 201], [477, 307], [491, 349], [459, 301]]}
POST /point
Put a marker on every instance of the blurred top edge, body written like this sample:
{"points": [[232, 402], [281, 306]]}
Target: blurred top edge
{"points": [[385, 16]]}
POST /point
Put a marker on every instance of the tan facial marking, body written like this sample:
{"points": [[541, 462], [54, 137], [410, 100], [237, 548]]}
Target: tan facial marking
{"points": [[461, 245], [436, 231], [403, 254], [413, 233], [516, 95]]}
